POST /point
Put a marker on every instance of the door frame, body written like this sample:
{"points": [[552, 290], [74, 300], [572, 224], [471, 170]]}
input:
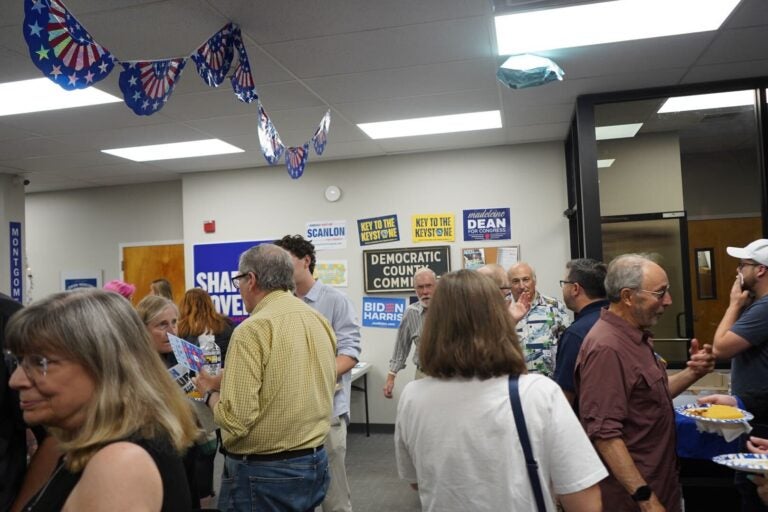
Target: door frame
{"points": [[685, 267]]}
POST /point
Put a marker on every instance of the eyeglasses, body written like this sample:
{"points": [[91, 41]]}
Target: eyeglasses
{"points": [[743, 264], [659, 294], [33, 366], [236, 280], [563, 282]]}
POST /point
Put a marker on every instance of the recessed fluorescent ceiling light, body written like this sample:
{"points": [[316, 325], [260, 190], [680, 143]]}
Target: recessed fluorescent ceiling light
{"points": [[432, 125], [607, 22], [605, 163], [707, 101], [41, 94], [617, 131], [189, 149]]}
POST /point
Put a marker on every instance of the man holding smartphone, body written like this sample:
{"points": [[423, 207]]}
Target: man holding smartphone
{"points": [[743, 336]]}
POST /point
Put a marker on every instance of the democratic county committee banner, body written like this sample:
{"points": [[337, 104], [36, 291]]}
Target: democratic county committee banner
{"points": [[215, 265], [391, 270], [487, 224]]}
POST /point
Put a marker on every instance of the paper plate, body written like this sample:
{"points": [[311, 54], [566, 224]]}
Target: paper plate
{"points": [[685, 410], [750, 462]]}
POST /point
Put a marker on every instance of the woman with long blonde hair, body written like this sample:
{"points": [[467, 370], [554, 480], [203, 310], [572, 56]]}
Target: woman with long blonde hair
{"points": [[86, 370]]}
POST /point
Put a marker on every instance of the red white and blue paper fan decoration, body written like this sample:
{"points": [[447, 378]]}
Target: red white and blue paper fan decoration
{"points": [[67, 54], [271, 146], [214, 57], [242, 79], [295, 160], [147, 85], [61, 48], [320, 138]]}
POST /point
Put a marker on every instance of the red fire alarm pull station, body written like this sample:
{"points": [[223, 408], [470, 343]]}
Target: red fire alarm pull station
{"points": [[209, 226]]}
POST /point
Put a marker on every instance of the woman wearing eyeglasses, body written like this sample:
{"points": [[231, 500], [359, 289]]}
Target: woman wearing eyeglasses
{"points": [[86, 370], [456, 438]]}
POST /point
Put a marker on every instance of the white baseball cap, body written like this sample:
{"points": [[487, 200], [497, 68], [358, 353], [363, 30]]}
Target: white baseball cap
{"points": [[757, 250]]}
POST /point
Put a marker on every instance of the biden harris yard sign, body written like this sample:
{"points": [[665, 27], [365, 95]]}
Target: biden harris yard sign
{"points": [[381, 312], [487, 224]]}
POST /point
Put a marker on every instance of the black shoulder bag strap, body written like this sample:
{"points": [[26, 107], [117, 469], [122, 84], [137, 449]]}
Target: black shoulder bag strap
{"points": [[522, 432]]}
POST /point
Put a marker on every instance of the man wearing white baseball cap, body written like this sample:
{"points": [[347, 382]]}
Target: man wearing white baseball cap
{"points": [[743, 336]]}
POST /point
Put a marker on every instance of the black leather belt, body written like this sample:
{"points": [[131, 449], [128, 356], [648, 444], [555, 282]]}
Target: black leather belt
{"points": [[264, 457]]}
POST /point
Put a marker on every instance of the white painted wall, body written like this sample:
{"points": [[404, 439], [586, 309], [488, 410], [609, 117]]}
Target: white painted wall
{"points": [[646, 176], [81, 229], [11, 210], [264, 203]]}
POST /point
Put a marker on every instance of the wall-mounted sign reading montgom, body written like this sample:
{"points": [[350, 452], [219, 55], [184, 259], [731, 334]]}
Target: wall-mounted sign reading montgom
{"points": [[391, 270]]}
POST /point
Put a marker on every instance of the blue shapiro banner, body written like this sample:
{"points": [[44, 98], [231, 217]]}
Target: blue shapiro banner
{"points": [[17, 276], [383, 312], [215, 265], [378, 230], [487, 224]]}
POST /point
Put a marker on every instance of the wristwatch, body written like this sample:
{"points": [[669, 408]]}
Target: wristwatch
{"points": [[642, 493]]}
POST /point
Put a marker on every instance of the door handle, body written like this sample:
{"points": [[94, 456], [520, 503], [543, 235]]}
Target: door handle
{"points": [[680, 328]]}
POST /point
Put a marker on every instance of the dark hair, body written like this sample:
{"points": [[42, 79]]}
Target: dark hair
{"points": [[468, 331], [299, 247], [162, 287], [590, 274]]}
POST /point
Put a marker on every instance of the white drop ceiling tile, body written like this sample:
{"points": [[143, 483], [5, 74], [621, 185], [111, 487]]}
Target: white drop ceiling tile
{"points": [[9, 133], [443, 141], [81, 120], [726, 71], [229, 126], [466, 75], [55, 162], [537, 133], [16, 149], [745, 44], [212, 103], [127, 168], [421, 106], [133, 136], [288, 95], [13, 14], [748, 14], [396, 47], [524, 115], [298, 19], [209, 163], [50, 182], [158, 30], [630, 56], [134, 179], [339, 150]]}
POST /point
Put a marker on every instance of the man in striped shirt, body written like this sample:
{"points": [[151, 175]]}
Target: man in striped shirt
{"points": [[424, 281]]}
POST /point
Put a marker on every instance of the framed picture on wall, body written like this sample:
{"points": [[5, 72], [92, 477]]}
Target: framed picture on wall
{"points": [[74, 279], [475, 257]]}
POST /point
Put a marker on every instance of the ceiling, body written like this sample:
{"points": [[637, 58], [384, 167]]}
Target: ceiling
{"points": [[366, 60]]}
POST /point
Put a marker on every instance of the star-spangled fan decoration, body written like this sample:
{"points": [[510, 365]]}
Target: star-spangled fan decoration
{"points": [[320, 138], [147, 85], [242, 79], [295, 160], [271, 146], [67, 54], [61, 48], [214, 57]]}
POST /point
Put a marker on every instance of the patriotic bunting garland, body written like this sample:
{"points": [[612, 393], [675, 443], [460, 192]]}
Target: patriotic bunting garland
{"points": [[66, 53]]}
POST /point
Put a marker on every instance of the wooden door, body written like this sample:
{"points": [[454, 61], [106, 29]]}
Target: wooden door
{"points": [[143, 264], [716, 234]]}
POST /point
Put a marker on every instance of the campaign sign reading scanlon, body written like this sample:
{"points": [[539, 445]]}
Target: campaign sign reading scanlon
{"points": [[391, 270]]}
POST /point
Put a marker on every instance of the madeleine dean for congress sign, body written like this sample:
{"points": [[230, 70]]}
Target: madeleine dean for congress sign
{"points": [[391, 270]]}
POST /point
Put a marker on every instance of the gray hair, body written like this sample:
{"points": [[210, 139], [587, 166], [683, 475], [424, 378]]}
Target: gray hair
{"points": [[625, 271], [272, 266], [425, 270]]}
